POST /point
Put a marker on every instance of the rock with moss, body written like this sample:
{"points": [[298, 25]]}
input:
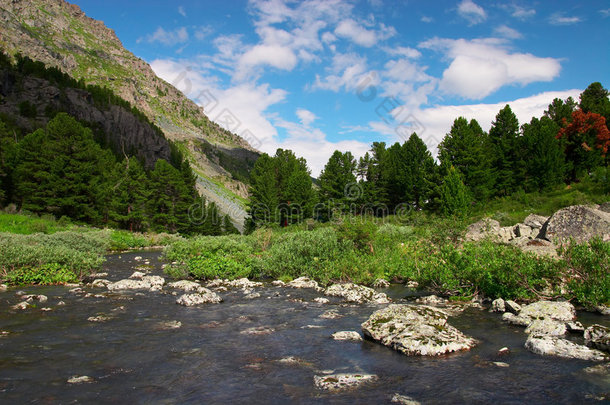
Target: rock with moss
{"points": [[151, 283], [203, 296], [356, 293], [558, 311], [404, 400], [416, 330], [512, 306], [498, 305], [560, 347], [579, 223], [186, 286], [304, 282], [483, 229], [381, 283], [546, 327], [242, 283], [347, 335], [598, 336], [338, 382]]}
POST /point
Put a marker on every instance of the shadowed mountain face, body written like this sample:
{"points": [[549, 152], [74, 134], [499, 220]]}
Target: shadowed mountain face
{"points": [[59, 34]]}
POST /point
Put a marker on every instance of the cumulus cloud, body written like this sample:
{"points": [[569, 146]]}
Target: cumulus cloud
{"points": [[306, 116], [560, 19], [177, 36], [360, 35], [522, 13], [181, 11], [404, 51], [480, 67], [346, 72], [472, 12], [277, 56], [426, 19], [507, 32]]}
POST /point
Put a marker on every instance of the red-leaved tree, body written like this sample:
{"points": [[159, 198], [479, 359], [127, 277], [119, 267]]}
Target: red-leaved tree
{"points": [[586, 141]]}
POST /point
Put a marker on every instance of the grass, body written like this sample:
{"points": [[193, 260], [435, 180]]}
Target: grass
{"points": [[27, 224]]}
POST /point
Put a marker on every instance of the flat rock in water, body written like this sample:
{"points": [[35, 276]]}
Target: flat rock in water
{"points": [[558, 311], [80, 379], [356, 293], [347, 335], [239, 283], [431, 300], [152, 283], [598, 336], [321, 300], [3, 287], [546, 327], [498, 305], [556, 346], [512, 306], [338, 382], [416, 330], [100, 283], [381, 283], [33, 297], [204, 296], [404, 400]]}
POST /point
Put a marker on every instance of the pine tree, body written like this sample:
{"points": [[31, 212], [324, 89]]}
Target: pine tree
{"points": [[131, 195], [420, 172], [466, 147], [337, 180], [503, 136], [454, 196], [7, 146], [372, 182], [595, 99], [264, 192], [545, 162], [561, 111]]}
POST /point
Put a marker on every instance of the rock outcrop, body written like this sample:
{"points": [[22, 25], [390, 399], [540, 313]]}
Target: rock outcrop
{"points": [[304, 282], [203, 296], [139, 282], [415, 330], [579, 223]]}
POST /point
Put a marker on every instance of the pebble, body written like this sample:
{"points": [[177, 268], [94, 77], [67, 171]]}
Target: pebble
{"points": [[80, 379]]}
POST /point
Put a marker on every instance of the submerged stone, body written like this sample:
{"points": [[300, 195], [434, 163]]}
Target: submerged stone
{"points": [[204, 296], [356, 293], [556, 346], [416, 330], [598, 336], [404, 400], [80, 379], [338, 382], [347, 335]]}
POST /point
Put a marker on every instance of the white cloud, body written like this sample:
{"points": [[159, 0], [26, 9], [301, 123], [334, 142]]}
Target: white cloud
{"points": [[560, 19], [507, 32], [480, 67], [355, 32], [427, 19], [605, 13], [522, 13], [347, 71], [181, 11], [306, 116], [177, 36], [407, 52], [277, 56], [203, 32], [472, 12]]}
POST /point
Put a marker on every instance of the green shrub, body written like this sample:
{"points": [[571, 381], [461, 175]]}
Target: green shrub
{"points": [[220, 265], [48, 273], [589, 265]]}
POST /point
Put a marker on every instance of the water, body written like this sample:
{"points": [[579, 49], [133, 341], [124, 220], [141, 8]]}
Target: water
{"points": [[134, 359]]}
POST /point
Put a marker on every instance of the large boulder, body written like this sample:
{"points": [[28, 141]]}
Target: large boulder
{"points": [[415, 330], [186, 286], [556, 346], [535, 222], [543, 318], [579, 222], [304, 282], [337, 382], [598, 336], [356, 293]]}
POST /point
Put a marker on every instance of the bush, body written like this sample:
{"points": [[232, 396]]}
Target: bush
{"points": [[589, 264]]}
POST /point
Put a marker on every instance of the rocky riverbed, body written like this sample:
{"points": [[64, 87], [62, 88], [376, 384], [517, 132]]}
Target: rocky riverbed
{"points": [[124, 338]]}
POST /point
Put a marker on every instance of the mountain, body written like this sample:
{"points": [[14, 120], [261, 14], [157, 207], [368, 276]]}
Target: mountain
{"points": [[59, 34]]}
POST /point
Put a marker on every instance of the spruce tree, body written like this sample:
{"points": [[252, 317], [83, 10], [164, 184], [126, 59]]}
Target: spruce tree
{"points": [[338, 178], [454, 195], [420, 172], [545, 162], [503, 137], [264, 192], [595, 99], [131, 195]]}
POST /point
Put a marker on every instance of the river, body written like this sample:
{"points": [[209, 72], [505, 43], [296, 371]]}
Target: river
{"points": [[137, 357]]}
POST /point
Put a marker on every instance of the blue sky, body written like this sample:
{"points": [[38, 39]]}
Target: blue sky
{"points": [[318, 75]]}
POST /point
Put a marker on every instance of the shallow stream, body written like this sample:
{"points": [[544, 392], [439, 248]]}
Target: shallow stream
{"points": [[136, 357]]}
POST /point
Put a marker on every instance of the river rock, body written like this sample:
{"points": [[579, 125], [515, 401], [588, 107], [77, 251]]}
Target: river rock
{"points": [[203, 296], [258, 330], [3, 287], [404, 400], [415, 330], [512, 306], [599, 369], [21, 306], [80, 379], [498, 305], [412, 284], [33, 297], [152, 283], [431, 300], [556, 346], [304, 282], [243, 283], [381, 283], [598, 336], [558, 311], [331, 314], [356, 293], [185, 285], [100, 283], [546, 327], [321, 300], [575, 327], [99, 318], [169, 325], [137, 275], [278, 283], [347, 335], [580, 223], [602, 309], [337, 382]]}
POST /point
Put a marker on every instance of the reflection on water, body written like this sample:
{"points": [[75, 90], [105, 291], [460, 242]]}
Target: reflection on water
{"points": [[138, 356]]}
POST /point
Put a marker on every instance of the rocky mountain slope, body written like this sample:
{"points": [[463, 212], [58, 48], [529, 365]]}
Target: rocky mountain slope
{"points": [[61, 35]]}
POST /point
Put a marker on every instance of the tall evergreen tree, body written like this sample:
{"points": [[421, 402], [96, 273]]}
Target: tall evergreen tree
{"points": [[371, 179], [503, 136], [595, 99], [336, 179], [131, 195], [420, 173], [561, 111], [466, 147], [7, 145], [454, 195], [264, 191], [545, 162]]}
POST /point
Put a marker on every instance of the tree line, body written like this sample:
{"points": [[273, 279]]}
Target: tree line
{"points": [[568, 143]]}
